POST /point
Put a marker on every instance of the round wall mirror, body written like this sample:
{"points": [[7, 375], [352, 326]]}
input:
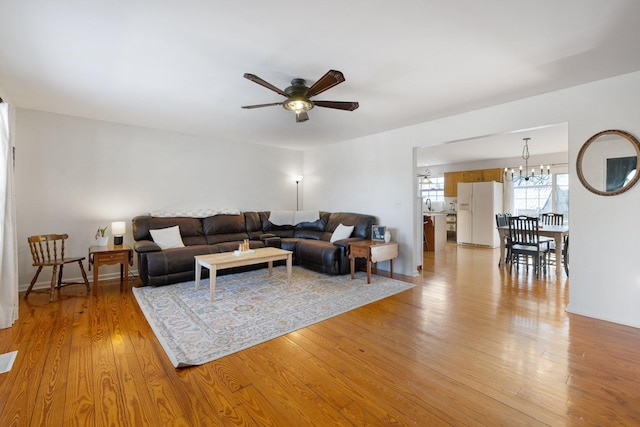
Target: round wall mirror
{"points": [[608, 162]]}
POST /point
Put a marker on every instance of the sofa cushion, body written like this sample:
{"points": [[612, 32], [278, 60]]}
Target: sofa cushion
{"points": [[362, 224], [224, 228], [277, 230], [319, 255], [253, 225], [303, 233], [175, 260], [190, 228], [167, 238]]}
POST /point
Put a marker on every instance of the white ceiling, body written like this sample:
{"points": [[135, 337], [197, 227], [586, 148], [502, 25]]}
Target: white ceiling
{"points": [[179, 65], [549, 139]]}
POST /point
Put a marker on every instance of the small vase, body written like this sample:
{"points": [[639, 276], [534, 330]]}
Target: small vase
{"points": [[387, 236], [102, 241]]}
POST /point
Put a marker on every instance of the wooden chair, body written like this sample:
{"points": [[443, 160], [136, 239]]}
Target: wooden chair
{"points": [[48, 251], [550, 218], [525, 241], [502, 220], [565, 254]]}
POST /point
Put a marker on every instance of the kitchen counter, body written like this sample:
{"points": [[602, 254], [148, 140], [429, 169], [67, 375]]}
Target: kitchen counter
{"points": [[435, 230], [438, 212]]}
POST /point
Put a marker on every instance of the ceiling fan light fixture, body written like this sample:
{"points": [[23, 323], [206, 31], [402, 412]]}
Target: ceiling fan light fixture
{"points": [[298, 104], [298, 95]]}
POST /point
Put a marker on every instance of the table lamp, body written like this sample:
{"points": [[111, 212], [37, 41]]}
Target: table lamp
{"points": [[118, 229]]}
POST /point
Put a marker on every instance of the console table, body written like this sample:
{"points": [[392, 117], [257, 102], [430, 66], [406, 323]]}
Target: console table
{"points": [[373, 252], [109, 255]]}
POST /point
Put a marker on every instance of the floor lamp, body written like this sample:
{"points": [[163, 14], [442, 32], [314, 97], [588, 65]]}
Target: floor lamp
{"points": [[298, 179]]}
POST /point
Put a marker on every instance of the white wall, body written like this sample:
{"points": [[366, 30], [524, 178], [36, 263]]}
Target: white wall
{"points": [[376, 175], [73, 175]]}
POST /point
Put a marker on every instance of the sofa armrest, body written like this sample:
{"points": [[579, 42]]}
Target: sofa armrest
{"points": [[142, 246], [344, 243]]}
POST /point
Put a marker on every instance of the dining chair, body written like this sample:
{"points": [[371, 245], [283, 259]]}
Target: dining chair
{"points": [[551, 218], [525, 241], [502, 220], [565, 254], [47, 250]]}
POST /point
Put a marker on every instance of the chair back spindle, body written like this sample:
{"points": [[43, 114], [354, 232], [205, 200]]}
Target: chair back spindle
{"points": [[44, 248], [551, 218]]}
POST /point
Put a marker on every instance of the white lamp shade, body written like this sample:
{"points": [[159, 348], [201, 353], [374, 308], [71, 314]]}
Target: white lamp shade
{"points": [[118, 228]]}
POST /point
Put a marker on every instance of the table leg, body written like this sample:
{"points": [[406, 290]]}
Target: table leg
{"points": [[503, 237], [95, 278], [353, 266], [270, 264], [558, 239], [391, 267], [124, 268], [212, 280], [289, 268], [198, 273], [368, 270]]}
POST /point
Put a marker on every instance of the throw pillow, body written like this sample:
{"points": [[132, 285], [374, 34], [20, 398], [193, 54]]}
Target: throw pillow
{"points": [[341, 232], [167, 238]]}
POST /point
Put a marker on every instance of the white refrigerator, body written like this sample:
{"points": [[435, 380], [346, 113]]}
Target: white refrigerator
{"points": [[478, 204]]}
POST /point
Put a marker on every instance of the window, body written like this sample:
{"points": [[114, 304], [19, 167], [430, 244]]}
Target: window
{"points": [[434, 191], [533, 198], [561, 195]]}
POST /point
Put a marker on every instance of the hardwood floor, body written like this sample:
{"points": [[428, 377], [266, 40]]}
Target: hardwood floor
{"points": [[469, 345]]}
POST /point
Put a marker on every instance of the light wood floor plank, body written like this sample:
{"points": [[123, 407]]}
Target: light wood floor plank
{"points": [[51, 398], [80, 406]]}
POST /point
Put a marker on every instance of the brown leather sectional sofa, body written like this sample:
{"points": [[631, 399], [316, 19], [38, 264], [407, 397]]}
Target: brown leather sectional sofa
{"points": [[309, 242]]}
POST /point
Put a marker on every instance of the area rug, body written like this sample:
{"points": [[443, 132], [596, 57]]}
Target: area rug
{"points": [[250, 308]]}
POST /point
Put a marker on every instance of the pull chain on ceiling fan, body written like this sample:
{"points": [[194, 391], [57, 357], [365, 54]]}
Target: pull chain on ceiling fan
{"points": [[298, 94]]}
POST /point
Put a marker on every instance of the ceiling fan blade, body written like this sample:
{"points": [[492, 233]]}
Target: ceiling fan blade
{"points": [[262, 105], [348, 106], [301, 117], [329, 80], [264, 83]]}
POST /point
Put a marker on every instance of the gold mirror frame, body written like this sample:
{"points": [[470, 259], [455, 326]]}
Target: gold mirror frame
{"points": [[636, 145]]}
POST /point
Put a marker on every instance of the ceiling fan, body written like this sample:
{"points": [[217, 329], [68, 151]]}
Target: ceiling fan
{"points": [[298, 94]]}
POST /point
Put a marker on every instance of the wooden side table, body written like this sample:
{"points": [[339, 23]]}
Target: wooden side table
{"points": [[109, 255], [373, 252]]}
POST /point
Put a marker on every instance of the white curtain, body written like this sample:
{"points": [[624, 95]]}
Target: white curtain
{"points": [[507, 202], [8, 241]]}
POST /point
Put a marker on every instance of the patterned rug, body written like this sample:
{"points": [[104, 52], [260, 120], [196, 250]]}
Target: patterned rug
{"points": [[250, 308]]}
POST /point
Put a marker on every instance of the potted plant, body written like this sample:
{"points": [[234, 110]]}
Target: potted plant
{"points": [[101, 239]]}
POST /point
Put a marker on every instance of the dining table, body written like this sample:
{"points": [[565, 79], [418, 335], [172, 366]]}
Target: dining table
{"points": [[557, 232]]}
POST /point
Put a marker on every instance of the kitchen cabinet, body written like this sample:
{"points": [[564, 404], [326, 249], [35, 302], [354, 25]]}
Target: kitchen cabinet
{"points": [[451, 179]]}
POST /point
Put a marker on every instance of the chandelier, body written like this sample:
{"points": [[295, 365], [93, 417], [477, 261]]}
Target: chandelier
{"points": [[521, 178]]}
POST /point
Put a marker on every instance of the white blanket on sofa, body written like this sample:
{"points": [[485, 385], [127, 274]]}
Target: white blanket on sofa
{"points": [[197, 213], [293, 217]]}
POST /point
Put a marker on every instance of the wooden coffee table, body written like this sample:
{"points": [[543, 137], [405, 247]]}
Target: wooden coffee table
{"points": [[215, 262]]}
